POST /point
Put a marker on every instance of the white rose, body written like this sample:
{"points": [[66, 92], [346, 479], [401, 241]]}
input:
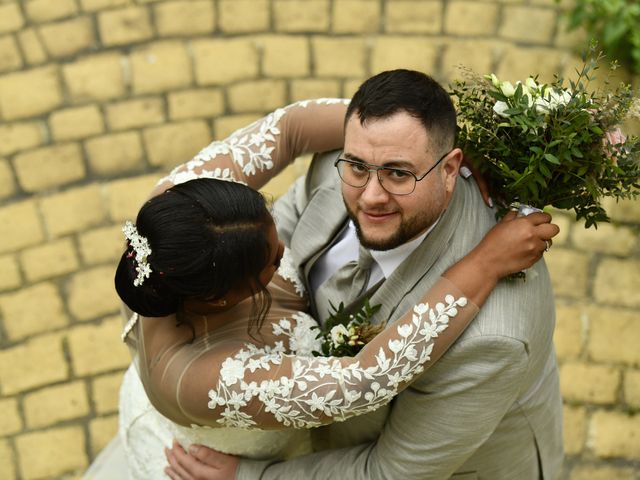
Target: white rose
{"points": [[338, 333], [500, 107], [507, 89]]}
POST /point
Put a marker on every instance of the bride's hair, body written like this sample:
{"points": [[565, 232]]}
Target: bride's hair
{"points": [[206, 237]]}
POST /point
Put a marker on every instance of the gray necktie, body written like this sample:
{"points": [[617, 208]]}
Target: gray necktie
{"points": [[346, 285]]}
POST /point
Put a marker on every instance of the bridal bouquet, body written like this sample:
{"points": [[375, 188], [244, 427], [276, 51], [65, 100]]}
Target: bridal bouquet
{"points": [[550, 144]]}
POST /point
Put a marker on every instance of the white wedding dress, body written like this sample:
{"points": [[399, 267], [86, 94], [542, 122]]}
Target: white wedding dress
{"points": [[212, 383]]}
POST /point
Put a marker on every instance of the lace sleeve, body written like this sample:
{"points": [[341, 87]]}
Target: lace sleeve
{"points": [[264, 387], [255, 154]]}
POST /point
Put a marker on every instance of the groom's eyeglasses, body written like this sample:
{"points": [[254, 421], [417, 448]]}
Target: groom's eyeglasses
{"points": [[396, 181]]}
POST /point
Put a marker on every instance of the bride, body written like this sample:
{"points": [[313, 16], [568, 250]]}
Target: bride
{"points": [[222, 346]]}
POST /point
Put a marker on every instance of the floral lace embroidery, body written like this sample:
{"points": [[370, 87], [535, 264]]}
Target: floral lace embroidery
{"points": [[129, 326], [328, 387], [288, 271], [247, 147], [302, 335]]}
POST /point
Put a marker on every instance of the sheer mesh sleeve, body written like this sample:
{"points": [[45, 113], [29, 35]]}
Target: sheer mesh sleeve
{"points": [[255, 154], [245, 385]]}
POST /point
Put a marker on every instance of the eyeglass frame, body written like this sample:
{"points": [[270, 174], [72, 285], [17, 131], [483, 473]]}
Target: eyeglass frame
{"points": [[377, 168]]}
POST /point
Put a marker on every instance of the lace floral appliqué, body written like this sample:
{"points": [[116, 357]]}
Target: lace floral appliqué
{"points": [[289, 272], [320, 388]]}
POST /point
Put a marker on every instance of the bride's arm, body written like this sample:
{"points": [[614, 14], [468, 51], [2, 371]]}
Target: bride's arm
{"points": [[258, 152], [255, 387]]}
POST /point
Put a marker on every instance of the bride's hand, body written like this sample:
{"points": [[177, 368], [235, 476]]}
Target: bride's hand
{"points": [[201, 463], [515, 243]]}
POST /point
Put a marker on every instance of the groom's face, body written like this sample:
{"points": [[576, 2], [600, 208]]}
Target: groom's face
{"points": [[383, 220]]}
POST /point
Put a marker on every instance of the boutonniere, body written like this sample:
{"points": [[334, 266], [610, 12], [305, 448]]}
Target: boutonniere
{"points": [[346, 332]]}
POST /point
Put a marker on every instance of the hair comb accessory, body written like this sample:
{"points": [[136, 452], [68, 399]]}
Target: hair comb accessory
{"points": [[142, 250]]}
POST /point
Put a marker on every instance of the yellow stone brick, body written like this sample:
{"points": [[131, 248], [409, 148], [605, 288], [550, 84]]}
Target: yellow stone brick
{"points": [[565, 223], [518, 63], [34, 309], [45, 10], [258, 96], [285, 56], [29, 93], [184, 18], [570, 331], [125, 197], [414, 16], [477, 55], [116, 153], [606, 239], [617, 282], [312, 88], [101, 431], [615, 434], [10, 58], [10, 277], [241, 16], [135, 113], [624, 210], [172, 144], [159, 67], [614, 335], [91, 293], [589, 383], [7, 465], [471, 18], [41, 361], [102, 245], [197, 103], [309, 16], [528, 24], [339, 57], [20, 136], [225, 126], [73, 211], [356, 16], [105, 392], [415, 53], [602, 472], [10, 421], [50, 453], [49, 260], [67, 38], [571, 40], [632, 388], [98, 348], [574, 429], [7, 183], [97, 77], [225, 61], [94, 5], [32, 47], [76, 123], [49, 167], [10, 17], [56, 404], [124, 26], [19, 226], [569, 272]]}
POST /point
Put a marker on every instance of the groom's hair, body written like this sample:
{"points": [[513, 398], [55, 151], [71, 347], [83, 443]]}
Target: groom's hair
{"points": [[415, 93], [207, 237]]}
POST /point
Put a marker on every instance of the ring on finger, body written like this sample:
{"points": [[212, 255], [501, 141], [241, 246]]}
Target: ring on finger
{"points": [[547, 245]]}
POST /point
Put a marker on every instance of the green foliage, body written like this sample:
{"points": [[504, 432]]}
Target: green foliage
{"points": [[615, 24], [357, 323], [545, 144]]}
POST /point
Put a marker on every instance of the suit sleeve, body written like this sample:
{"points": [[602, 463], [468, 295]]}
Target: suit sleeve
{"points": [[434, 426]]}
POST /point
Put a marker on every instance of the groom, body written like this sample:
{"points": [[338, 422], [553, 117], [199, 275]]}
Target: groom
{"points": [[490, 407]]}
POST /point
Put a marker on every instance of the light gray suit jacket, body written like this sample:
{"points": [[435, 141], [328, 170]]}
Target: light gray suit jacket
{"points": [[490, 408]]}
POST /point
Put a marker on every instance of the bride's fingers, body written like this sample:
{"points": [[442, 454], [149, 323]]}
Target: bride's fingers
{"points": [[175, 469]]}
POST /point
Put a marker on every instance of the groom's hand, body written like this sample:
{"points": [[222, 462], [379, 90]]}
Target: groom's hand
{"points": [[201, 463]]}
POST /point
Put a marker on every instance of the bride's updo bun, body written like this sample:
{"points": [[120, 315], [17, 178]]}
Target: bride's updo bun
{"points": [[206, 236]]}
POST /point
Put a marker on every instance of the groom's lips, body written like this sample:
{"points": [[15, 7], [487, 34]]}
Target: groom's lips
{"points": [[378, 217]]}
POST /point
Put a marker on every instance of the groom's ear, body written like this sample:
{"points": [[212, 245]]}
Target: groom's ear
{"points": [[450, 169]]}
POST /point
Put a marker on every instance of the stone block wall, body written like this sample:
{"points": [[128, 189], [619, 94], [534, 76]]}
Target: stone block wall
{"points": [[99, 98]]}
